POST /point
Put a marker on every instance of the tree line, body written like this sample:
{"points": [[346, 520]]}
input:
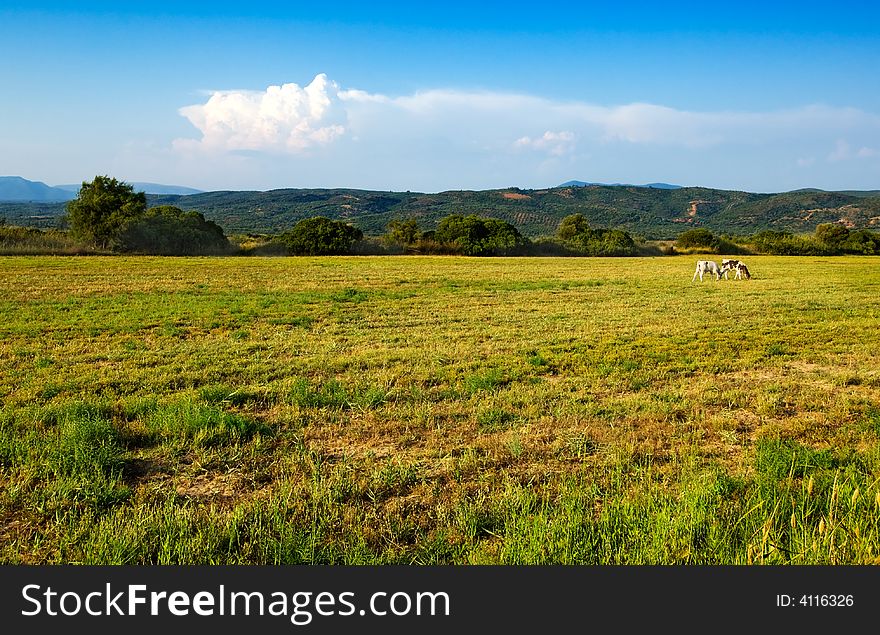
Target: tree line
{"points": [[108, 216], [829, 239]]}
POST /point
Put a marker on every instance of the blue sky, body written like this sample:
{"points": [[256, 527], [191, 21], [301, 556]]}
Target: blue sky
{"points": [[453, 96]]}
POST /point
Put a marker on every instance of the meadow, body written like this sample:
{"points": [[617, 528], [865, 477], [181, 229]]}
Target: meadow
{"points": [[433, 410]]}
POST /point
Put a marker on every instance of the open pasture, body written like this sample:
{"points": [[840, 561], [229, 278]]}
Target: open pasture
{"points": [[433, 410]]}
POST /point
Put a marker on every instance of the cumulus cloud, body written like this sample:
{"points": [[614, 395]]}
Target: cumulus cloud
{"points": [[455, 138], [285, 118], [290, 118]]}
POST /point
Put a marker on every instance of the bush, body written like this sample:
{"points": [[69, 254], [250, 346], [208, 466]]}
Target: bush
{"points": [[573, 228], [577, 236], [403, 233], [861, 242], [697, 239], [169, 231], [319, 236], [777, 243], [478, 236], [16, 240], [832, 234]]}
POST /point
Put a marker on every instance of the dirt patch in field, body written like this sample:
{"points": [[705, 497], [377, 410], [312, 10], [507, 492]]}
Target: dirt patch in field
{"points": [[344, 449], [223, 487], [515, 196]]}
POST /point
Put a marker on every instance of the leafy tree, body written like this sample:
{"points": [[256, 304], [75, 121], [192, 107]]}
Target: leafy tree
{"points": [[320, 236], [574, 228], [778, 243], [477, 236], [167, 230], [699, 238], [863, 242], [614, 242], [832, 234], [103, 207], [404, 232], [577, 235]]}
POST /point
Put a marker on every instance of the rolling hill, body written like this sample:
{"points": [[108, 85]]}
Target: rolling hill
{"points": [[661, 186], [17, 189], [650, 212], [148, 188]]}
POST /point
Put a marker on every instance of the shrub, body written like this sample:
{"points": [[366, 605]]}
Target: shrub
{"points": [[861, 242], [319, 236], [167, 230], [403, 233], [831, 234], [30, 240], [478, 236], [778, 243], [697, 239], [576, 234]]}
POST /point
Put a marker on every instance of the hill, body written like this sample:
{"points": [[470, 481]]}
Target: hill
{"points": [[148, 188], [654, 212], [661, 186], [15, 188], [650, 212]]}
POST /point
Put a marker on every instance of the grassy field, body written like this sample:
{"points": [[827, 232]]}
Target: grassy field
{"points": [[424, 410]]}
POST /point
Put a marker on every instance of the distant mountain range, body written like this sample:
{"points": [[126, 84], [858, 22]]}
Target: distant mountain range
{"points": [[659, 186], [15, 188], [147, 188], [18, 189], [656, 212]]}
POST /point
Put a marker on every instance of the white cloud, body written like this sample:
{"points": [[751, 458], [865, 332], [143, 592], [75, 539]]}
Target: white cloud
{"points": [[292, 119], [843, 151], [431, 139], [553, 143], [362, 96], [286, 118]]}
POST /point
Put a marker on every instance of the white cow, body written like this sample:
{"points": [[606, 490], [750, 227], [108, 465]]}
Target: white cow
{"points": [[742, 271], [728, 264], [706, 266]]}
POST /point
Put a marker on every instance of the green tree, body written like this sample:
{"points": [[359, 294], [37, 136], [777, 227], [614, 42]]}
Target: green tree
{"points": [[777, 243], [862, 241], [832, 234], [477, 236], [319, 236], [102, 208], [574, 228], [697, 239], [403, 232], [576, 235], [167, 230]]}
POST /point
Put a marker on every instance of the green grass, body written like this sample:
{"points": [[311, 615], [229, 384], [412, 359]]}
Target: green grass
{"points": [[425, 410]]}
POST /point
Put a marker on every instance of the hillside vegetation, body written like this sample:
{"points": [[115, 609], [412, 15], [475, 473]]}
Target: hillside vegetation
{"points": [[650, 212]]}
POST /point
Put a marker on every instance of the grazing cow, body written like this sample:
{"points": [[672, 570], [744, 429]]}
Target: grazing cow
{"points": [[728, 264], [738, 266], [742, 271], [706, 266]]}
